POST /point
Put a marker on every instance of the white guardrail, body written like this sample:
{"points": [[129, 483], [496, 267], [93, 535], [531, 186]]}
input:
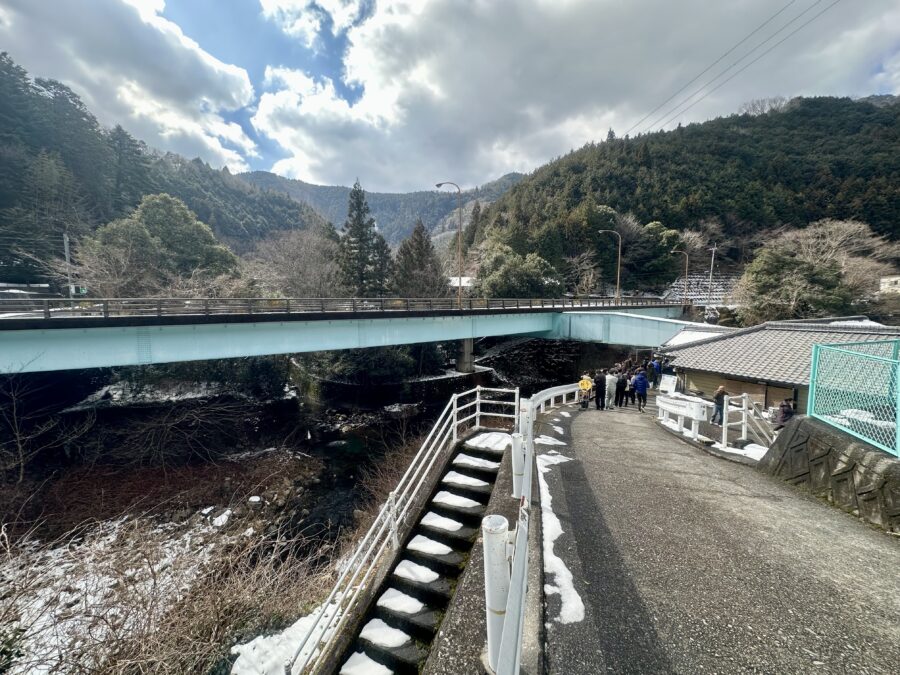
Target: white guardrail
{"points": [[699, 410], [505, 552], [463, 412]]}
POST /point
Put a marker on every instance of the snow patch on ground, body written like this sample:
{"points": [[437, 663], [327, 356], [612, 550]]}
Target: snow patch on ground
{"points": [[459, 479], [565, 414], [440, 522], [450, 499], [222, 519], [415, 572], [398, 601], [572, 607], [360, 664], [556, 419], [753, 451], [426, 545], [558, 429], [490, 440], [547, 440], [379, 633], [466, 460], [267, 654]]}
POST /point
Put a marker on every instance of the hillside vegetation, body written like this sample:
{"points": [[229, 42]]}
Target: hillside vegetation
{"points": [[62, 172], [814, 158], [396, 214]]}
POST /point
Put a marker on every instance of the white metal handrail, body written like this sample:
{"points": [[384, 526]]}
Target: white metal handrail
{"points": [[747, 408], [388, 526], [505, 658]]}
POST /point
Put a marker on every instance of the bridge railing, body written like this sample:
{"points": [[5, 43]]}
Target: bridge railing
{"points": [[60, 308], [396, 517], [506, 568]]}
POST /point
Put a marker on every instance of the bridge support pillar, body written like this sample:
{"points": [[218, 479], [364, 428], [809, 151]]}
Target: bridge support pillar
{"points": [[465, 362]]}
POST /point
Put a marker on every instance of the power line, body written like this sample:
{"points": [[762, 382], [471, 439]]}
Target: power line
{"points": [[712, 65], [735, 63], [734, 75]]}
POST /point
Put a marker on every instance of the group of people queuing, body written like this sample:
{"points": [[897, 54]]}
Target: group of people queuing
{"points": [[626, 382]]}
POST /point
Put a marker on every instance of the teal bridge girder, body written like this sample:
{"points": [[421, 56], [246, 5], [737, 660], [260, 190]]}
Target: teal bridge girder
{"points": [[92, 335]]}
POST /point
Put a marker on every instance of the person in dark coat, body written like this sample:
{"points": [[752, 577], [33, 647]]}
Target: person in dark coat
{"points": [[621, 398], [785, 413], [600, 390], [639, 385]]}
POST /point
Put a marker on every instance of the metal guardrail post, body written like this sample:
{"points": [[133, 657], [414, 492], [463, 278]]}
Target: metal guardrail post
{"points": [[518, 464], [392, 510], [478, 406], [455, 418], [745, 410], [159, 308], [495, 532], [249, 305], [105, 306], [46, 309], [726, 403]]}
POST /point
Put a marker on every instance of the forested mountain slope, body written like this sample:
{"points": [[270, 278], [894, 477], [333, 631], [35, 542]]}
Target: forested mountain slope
{"points": [[395, 213], [62, 172], [813, 159]]}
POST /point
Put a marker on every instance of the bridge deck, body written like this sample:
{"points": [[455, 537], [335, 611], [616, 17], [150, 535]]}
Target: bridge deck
{"points": [[688, 563]]}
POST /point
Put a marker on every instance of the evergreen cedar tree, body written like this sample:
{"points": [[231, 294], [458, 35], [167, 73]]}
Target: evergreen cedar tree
{"points": [[364, 256], [418, 272]]}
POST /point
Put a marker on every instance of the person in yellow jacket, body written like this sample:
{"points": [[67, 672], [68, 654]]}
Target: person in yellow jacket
{"points": [[585, 385]]}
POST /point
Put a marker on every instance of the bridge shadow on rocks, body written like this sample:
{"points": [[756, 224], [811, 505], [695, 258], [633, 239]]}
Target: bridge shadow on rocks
{"points": [[623, 634]]}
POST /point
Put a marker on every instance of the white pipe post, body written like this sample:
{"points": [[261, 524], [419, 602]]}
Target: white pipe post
{"points": [[495, 530], [392, 511], [726, 403], [516, 426], [455, 417], [518, 464], [478, 407], [680, 423], [746, 411], [695, 429]]}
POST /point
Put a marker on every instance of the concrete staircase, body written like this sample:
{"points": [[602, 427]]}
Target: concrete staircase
{"points": [[397, 632]]}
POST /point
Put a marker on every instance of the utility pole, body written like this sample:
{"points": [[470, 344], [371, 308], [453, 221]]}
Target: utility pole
{"points": [[712, 264]]}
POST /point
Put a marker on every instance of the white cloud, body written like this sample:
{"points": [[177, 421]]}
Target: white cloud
{"points": [[468, 91], [134, 67], [303, 19]]}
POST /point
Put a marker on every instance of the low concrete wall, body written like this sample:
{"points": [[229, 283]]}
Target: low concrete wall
{"points": [[853, 475]]}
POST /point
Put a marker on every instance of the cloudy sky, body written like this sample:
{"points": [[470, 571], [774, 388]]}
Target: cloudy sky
{"points": [[405, 93]]}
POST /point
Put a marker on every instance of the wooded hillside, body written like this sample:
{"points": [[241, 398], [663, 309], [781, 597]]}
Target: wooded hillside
{"points": [[814, 158], [62, 172]]}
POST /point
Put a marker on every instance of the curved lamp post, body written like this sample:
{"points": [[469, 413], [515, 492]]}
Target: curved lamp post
{"points": [[458, 241], [618, 266], [684, 285]]}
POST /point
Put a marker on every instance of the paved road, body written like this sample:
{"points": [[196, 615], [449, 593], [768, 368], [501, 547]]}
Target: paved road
{"points": [[687, 563]]}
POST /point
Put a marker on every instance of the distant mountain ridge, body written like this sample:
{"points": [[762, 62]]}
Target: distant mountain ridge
{"points": [[394, 213]]}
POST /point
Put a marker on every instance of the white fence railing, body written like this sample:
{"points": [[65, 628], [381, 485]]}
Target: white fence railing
{"points": [[463, 412], [506, 553]]}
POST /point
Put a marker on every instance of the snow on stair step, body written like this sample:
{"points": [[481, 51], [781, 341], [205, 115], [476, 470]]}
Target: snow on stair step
{"points": [[477, 462], [429, 546], [450, 499], [440, 522], [398, 601], [379, 633], [497, 441], [458, 479], [415, 572], [360, 664]]}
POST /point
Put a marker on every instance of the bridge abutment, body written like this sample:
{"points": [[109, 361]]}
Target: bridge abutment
{"points": [[465, 361]]}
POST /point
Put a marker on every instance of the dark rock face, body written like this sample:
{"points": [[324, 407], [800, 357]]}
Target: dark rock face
{"points": [[851, 474]]}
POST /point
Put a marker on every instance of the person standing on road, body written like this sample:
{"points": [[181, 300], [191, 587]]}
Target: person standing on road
{"points": [[621, 383], [719, 401], [611, 381], [600, 390], [584, 387], [640, 384]]}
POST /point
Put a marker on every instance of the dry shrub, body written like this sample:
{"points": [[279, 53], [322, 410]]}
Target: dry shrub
{"points": [[134, 596]]}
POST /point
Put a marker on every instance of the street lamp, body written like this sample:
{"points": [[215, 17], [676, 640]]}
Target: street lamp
{"points": [[458, 240], [618, 265], [683, 285]]}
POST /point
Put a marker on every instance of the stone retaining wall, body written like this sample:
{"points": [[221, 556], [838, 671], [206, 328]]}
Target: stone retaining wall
{"points": [[831, 464]]}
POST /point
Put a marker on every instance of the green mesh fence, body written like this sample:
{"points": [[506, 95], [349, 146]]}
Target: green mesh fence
{"points": [[854, 387]]}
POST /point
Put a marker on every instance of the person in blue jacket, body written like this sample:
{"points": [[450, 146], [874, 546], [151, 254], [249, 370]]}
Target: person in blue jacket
{"points": [[640, 384]]}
